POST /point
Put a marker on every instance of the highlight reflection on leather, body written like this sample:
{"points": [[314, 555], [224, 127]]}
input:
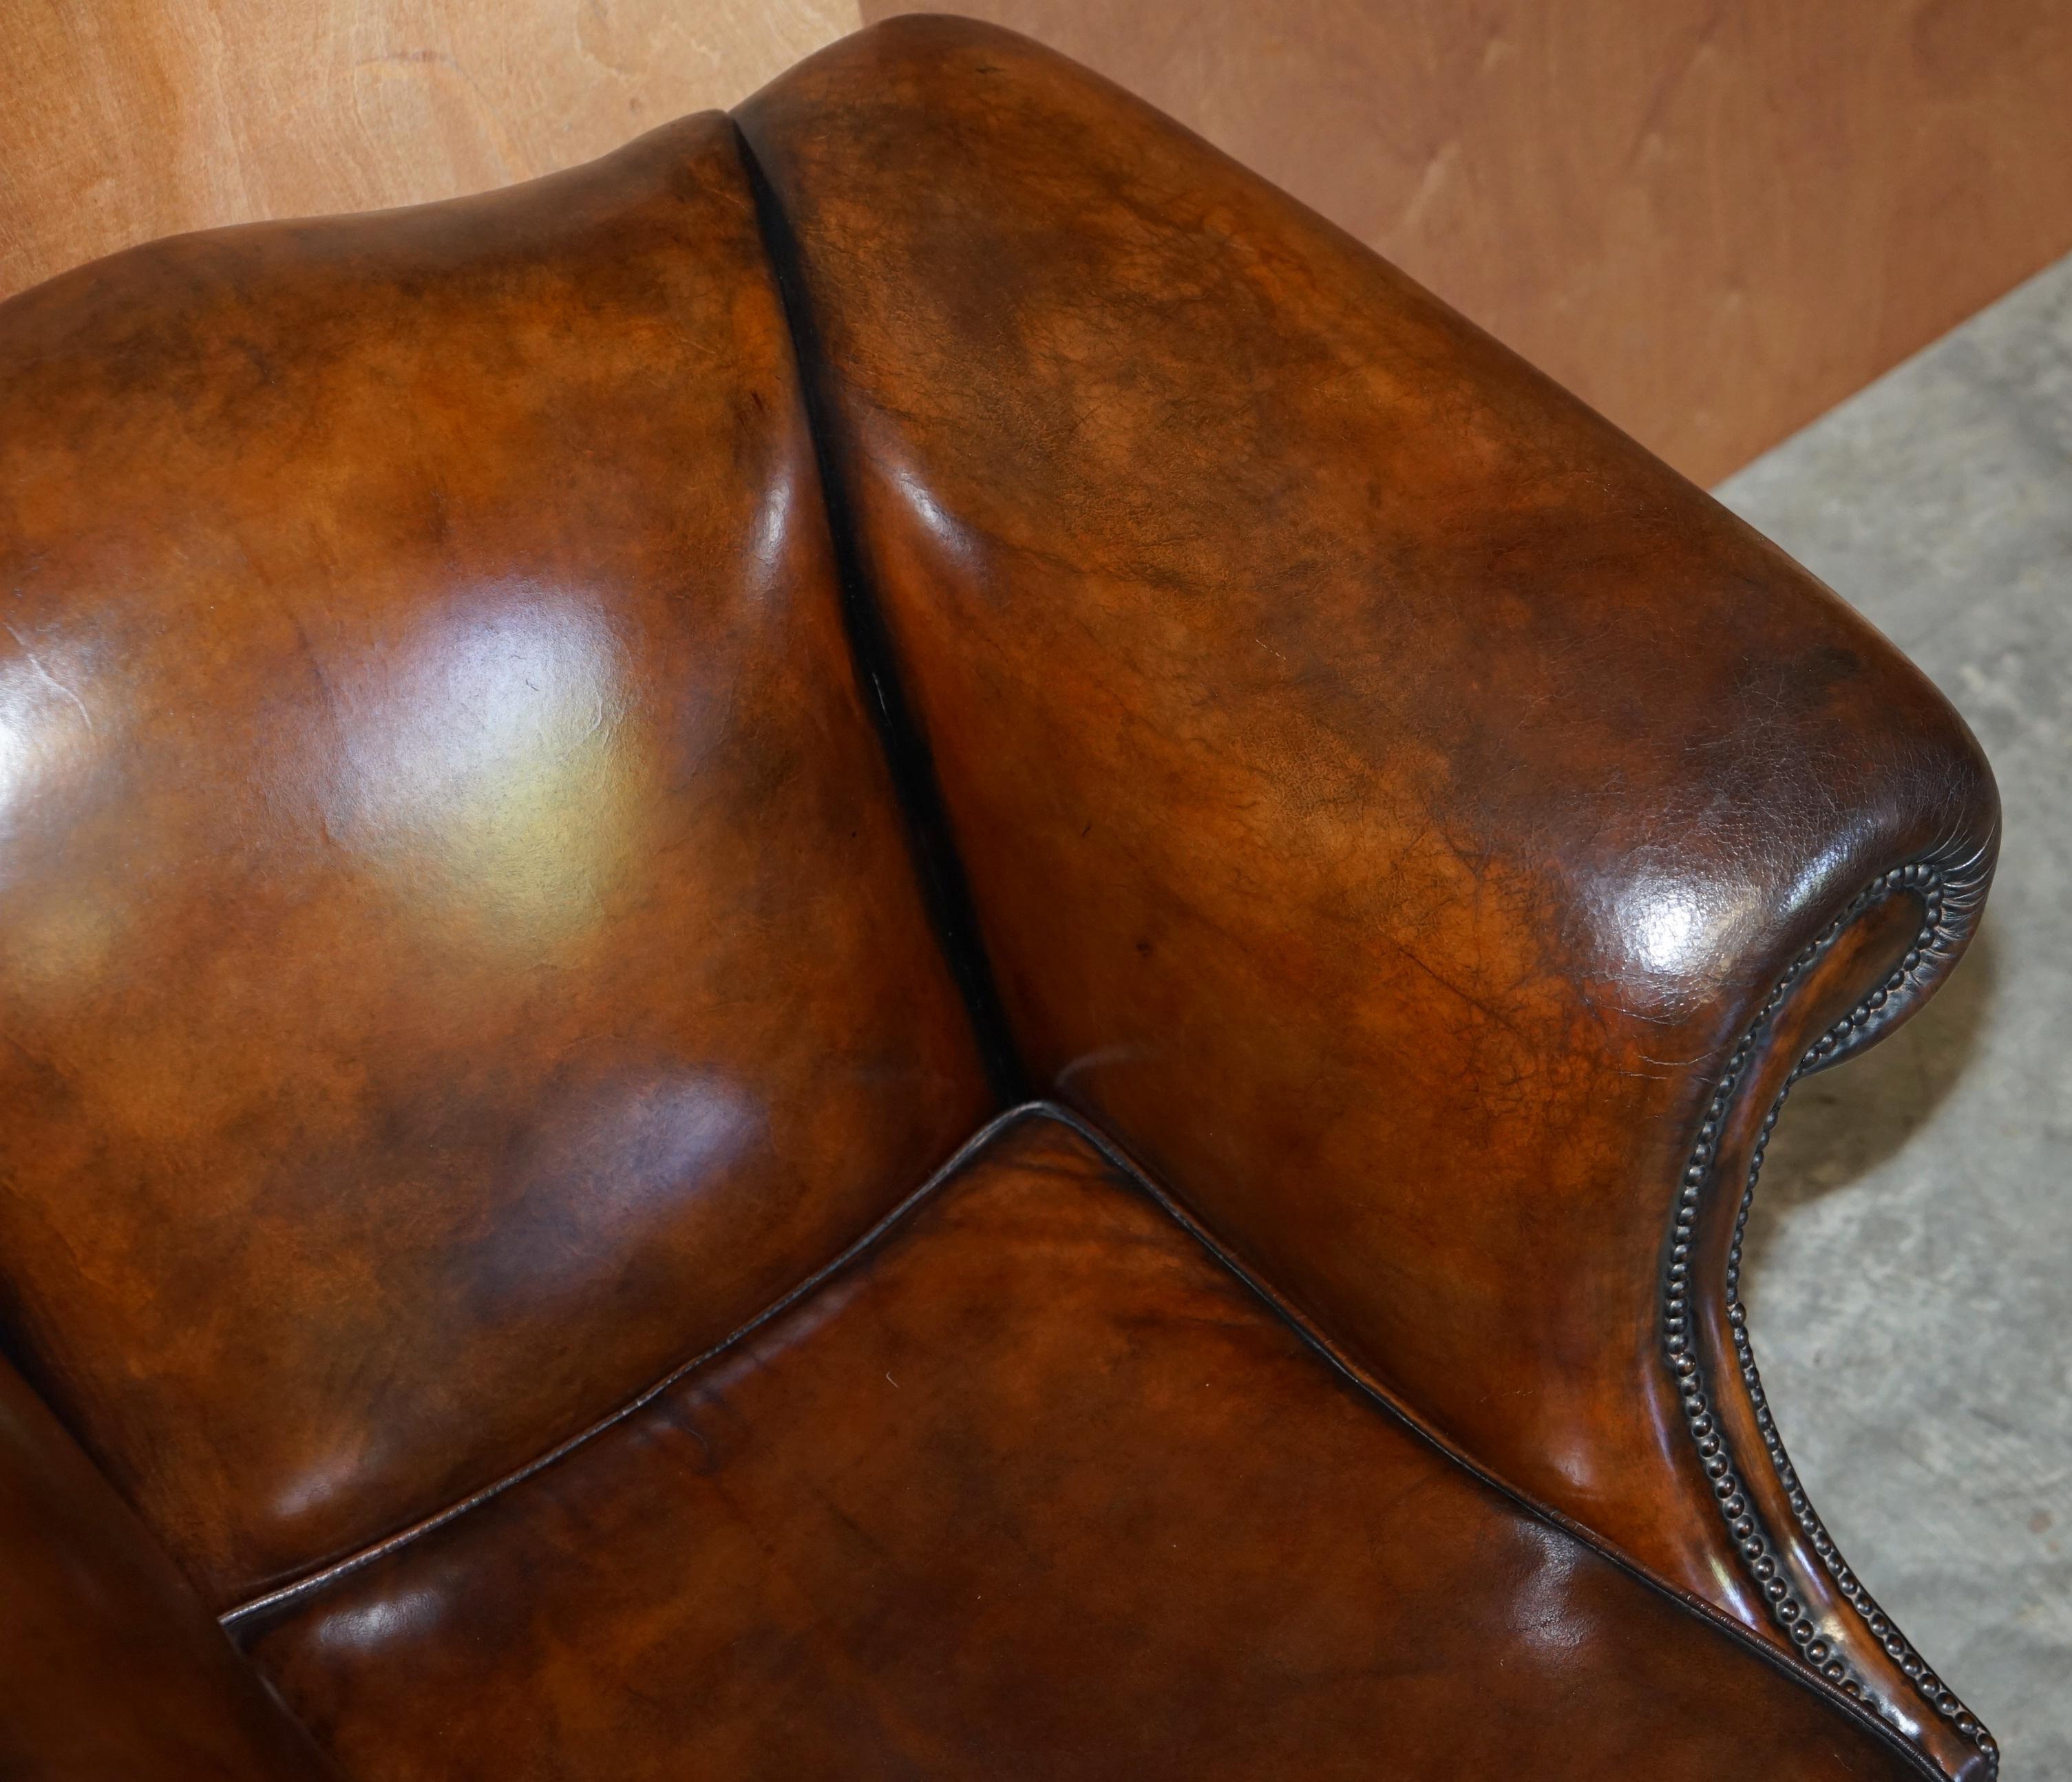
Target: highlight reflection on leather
{"points": [[458, 949], [561, 753]]}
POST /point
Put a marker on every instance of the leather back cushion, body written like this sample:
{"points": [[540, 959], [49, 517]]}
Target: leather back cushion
{"points": [[458, 954]]}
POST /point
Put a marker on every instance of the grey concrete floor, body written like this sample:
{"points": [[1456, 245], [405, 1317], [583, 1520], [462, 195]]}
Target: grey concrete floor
{"points": [[1911, 1293]]}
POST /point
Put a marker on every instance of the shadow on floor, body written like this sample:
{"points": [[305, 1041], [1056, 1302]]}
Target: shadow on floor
{"points": [[1839, 1126]]}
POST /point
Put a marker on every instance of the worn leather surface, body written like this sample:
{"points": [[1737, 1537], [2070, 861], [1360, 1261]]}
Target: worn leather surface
{"points": [[109, 1665], [559, 752], [1388, 794], [458, 949], [1036, 1489]]}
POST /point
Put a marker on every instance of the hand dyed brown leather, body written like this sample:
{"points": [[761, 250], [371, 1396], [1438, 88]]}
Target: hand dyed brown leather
{"points": [[563, 755]]}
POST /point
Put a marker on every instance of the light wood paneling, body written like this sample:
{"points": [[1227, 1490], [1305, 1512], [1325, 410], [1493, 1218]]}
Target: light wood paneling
{"points": [[122, 120], [1713, 220]]}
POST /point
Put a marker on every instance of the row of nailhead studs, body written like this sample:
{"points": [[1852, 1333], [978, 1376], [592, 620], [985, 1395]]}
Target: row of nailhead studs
{"points": [[1679, 1345], [1930, 1688], [1728, 1491]]}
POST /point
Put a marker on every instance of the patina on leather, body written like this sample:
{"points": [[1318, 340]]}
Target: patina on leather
{"points": [[562, 754]]}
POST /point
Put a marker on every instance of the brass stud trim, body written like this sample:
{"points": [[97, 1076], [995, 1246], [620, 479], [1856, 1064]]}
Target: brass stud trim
{"points": [[1949, 892]]}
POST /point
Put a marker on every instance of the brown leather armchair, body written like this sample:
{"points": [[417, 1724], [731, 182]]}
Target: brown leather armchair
{"points": [[898, 942]]}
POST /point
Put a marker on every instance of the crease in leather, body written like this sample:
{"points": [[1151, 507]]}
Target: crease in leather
{"points": [[945, 886], [1135, 1175]]}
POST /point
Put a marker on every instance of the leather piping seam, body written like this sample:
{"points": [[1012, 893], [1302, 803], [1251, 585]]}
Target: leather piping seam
{"points": [[1386, 1401], [282, 1596], [902, 744], [1950, 890]]}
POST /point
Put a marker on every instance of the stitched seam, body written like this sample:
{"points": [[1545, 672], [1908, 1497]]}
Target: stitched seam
{"points": [[902, 744], [1951, 890], [332, 1572]]}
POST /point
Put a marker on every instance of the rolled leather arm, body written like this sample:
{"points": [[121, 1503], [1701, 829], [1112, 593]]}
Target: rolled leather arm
{"points": [[110, 1666], [1426, 831]]}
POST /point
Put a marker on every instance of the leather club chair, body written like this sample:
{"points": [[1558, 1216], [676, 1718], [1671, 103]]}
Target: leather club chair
{"points": [[898, 943]]}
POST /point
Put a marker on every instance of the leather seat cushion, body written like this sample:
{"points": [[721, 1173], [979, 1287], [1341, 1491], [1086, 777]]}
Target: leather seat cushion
{"points": [[1034, 1487]]}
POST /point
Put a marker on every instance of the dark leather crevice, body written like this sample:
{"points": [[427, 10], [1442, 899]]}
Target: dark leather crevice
{"points": [[944, 885]]}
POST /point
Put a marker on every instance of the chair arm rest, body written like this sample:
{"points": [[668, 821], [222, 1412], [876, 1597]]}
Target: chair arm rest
{"points": [[110, 1666], [1423, 829]]}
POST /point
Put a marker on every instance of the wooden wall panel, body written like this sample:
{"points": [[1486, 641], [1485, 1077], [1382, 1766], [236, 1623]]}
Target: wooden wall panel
{"points": [[1713, 218], [123, 119]]}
